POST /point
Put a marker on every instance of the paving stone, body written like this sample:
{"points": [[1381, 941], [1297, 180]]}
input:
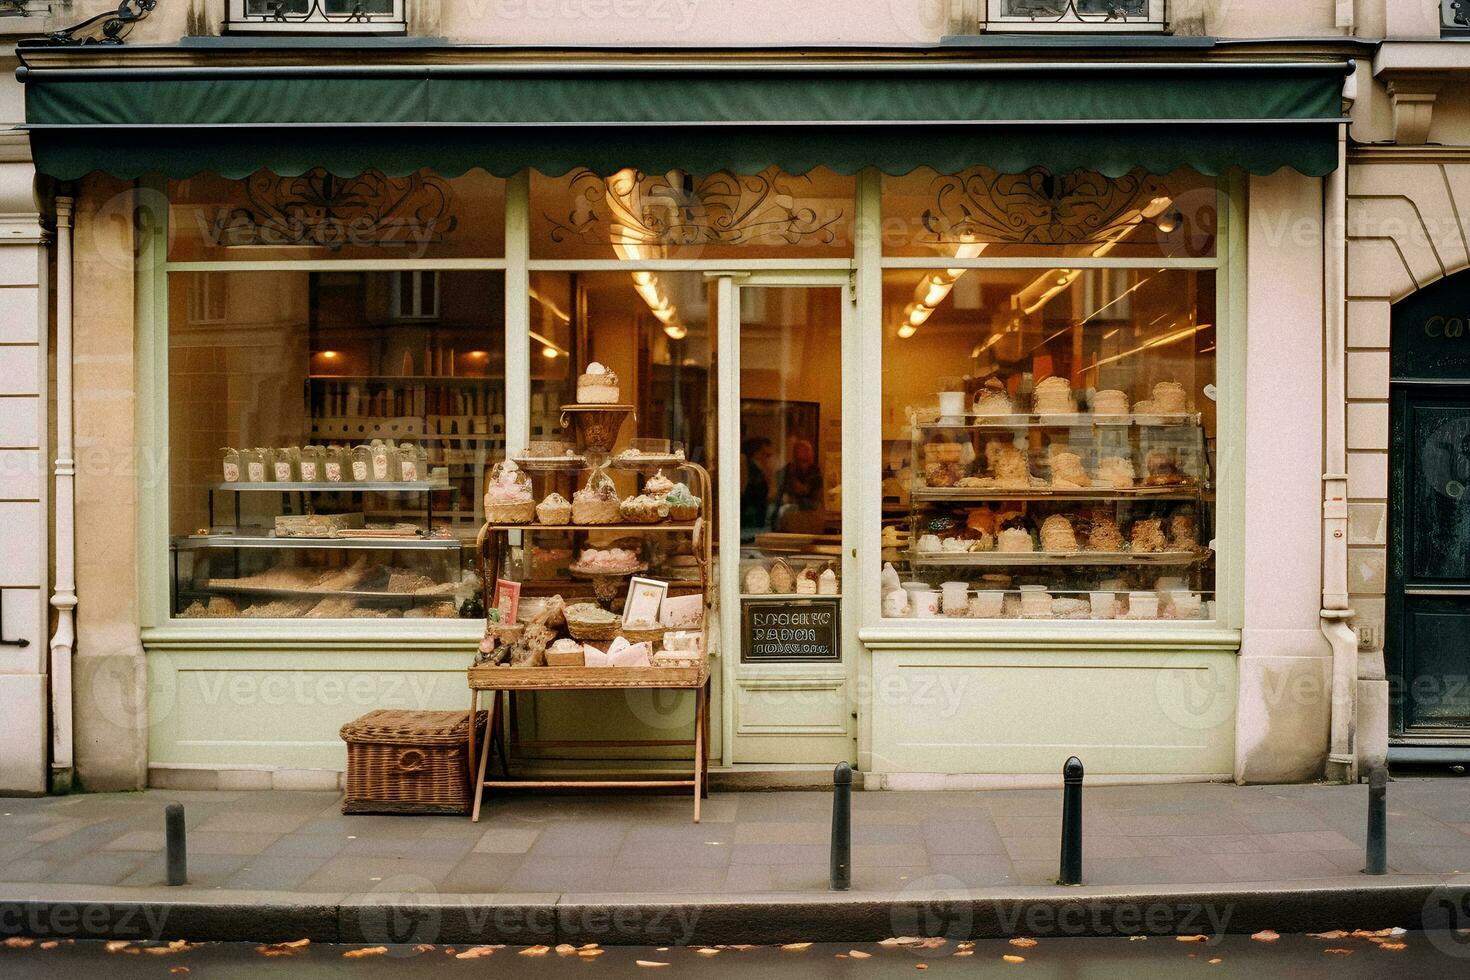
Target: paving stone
{"points": [[800, 877], [1317, 840], [506, 840], [971, 836], [220, 842], [654, 855], [783, 833], [367, 873], [976, 870], [1275, 867], [664, 880], [205, 870], [559, 874], [888, 855], [479, 873], [748, 879], [898, 878], [30, 870], [1290, 821], [102, 868], [254, 823], [138, 840], [783, 854], [429, 849], [305, 845], [584, 838], [275, 873]]}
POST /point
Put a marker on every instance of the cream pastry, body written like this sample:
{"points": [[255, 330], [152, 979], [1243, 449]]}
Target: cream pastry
{"points": [[1169, 398], [1110, 401], [992, 400], [1014, 540], [508, 498], [683, 505], [598, 385], [1053, 396], [1148, 536], [555, 509], [658, 485], [1067, 471], [1058, 535], [1116, 472]]}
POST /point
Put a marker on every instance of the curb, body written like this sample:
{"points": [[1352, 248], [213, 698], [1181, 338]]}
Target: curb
{"points": [[928, 908]]}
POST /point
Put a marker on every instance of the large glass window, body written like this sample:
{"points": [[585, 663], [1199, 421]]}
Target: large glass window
{"points": [[1050, 433], [329, 432]]}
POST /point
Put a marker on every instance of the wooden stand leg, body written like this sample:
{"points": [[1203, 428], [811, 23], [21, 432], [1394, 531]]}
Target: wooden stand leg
{"points": [[474, 707], [484, 755], [502, 734], [708, 700], [699, 707]]}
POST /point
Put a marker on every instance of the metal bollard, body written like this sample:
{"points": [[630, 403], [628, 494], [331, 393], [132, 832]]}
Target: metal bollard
{"points": [[176, 851], [842, 827], [1071, 823], [1377, 822]]}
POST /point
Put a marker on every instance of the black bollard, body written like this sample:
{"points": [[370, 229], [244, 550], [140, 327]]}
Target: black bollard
{"points": [[842, 827], [1377, 822], [1071, 823], [175, 849]]}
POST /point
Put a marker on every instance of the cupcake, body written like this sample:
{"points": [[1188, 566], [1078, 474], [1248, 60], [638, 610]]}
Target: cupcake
{"points": [[508, 498], [555, 509], [658, 485], [597, 386], [683, 505]]}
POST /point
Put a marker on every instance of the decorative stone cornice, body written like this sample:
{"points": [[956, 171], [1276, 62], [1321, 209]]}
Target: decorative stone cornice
{"points": [[1413, 107]]}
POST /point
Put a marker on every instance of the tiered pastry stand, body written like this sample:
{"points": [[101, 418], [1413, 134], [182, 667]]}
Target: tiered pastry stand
{"points": [[512, 679]]}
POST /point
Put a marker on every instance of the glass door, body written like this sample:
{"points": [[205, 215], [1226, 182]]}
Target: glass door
{"points": [[784, 559]]}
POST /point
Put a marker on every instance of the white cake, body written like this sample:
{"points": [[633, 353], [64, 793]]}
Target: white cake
{"points": [[1053, 396], [1110, 401]]}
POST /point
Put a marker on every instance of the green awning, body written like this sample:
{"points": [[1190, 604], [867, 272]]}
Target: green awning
{"points": [[896, 116]]}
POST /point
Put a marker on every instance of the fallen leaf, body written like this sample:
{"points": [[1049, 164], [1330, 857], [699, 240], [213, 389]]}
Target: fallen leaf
{"points": [[1023, 942], [589, 945], [565, 949], [268, 951], [1197, 938], [931, 942], [708, 951], [1011, 958], [117, 945], [50, 944], [967, 944], [858, 954], [424, 948], [357, 954], [964, 952], [181, 945], [475, 953], [1393, 946], [650, 963], [1266, 936], [1339, 952], [20, 942], [897, 941], [159, 951], [1136, 939], [921, 966], [296, 943], [796, 947], [1214, 961], [1334, 934], [588, 954], [534, 951], [178, 970]]}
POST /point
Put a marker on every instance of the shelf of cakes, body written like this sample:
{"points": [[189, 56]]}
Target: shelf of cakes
{"points": [[410, 538]]}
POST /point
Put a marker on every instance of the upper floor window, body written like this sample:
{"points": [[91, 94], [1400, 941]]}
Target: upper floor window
{"points": [[319, 16], [1071, 15]]}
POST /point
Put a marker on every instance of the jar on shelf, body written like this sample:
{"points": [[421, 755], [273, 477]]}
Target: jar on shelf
{"points": [[254, 464], [285, 464], [231, 465], [311, 464], [361, 464], [410, 465], [380, 458], [334, 461]]}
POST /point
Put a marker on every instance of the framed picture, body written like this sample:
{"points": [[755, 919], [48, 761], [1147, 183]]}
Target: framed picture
{"points": [[645, 597], [507, 600]]}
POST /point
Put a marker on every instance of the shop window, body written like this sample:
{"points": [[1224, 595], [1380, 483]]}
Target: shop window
{"points": [[631, 215], [327, 455], [1073, 15], [1040, 214], [652, 329], [416, 295], [319, 215], [1050, 443], [326, 16]]}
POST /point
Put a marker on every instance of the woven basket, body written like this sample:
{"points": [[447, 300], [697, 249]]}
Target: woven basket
{"points": [[653, 635], [589, 631], [409, 761]]}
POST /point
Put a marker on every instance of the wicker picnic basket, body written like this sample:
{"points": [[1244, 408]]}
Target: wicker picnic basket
{"points": [[409, 762]]}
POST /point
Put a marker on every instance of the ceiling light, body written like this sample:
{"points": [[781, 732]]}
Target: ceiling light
{"points": [[906, 331], [676, 331], [548, 352], [1168, 222]]}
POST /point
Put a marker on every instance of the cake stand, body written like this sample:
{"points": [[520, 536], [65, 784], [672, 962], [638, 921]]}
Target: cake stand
{"points": [[595, 426]]}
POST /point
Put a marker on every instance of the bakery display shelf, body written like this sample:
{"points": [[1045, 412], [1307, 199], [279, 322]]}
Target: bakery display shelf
{"points": [[659, 526], [932, 559], [1070, 420], [965, 494], [551, 464], [374, 486], [262, 592], [404, 379], [647, 461], [200, 542]]}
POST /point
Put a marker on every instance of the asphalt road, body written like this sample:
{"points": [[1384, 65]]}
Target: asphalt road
{"points": [[1300, 957]]}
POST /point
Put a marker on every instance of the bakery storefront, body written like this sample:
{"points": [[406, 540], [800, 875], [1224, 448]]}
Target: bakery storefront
{"points": [[946, 360]]}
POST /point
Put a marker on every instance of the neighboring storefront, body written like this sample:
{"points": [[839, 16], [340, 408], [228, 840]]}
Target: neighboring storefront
{"points": [[968, 349]]}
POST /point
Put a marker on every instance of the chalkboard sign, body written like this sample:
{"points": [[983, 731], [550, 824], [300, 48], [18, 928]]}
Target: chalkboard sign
{"points": [[790, 630], [1431, 332]]}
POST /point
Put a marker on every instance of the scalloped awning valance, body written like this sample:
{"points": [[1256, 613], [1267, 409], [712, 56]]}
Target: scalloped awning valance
{"points": [[701, 117]]}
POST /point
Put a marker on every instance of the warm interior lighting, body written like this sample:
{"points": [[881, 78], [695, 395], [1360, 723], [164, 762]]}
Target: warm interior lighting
{"points": [[676, 331], [548, 344], [548, 352], [934, 288], [479, 355], [906, 330], [329, 355]]}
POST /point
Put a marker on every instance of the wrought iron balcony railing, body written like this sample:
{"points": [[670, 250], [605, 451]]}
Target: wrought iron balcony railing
{"points": [[318, 16]]}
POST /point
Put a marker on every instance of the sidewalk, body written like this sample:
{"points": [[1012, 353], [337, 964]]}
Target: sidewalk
{"points": [[295, 849]]}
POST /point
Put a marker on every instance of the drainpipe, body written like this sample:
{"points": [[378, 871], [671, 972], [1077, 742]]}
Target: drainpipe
{"points": [[64, 598], [1336, 609]]}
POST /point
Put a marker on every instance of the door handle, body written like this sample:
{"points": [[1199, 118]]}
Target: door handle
{"points": [[1447, 593], [21, 642]]}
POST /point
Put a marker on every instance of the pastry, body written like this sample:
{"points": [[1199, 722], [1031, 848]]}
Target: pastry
{"points": [[1053, 396], [895, 602], [1104, 535], [1169, 399], [1162, 467], [1035, 602], [783, 582], [1014, 540], [683, 505], [608, 561], [981, 519], [992, 399], [1183, 533], [597, 386], [980, 540], [1115, 471], [658, 485], [597, 502], [806, 581], [1067, 471], [643, 509], [1011, 469], [954, 544], [555, 509], [1148, 536], [930, 542], [1110, 401], [757, 581], [1058, 535], [827, 582], [942, 474], [1069, 608], [508, 498], [943, 452]]}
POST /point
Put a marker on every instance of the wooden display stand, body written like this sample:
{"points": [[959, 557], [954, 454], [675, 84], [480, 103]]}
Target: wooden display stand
{"points": [[512, 679]]}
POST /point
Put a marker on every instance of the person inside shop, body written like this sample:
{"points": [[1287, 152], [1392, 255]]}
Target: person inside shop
{"points": [[755, 487], [801, 479]]}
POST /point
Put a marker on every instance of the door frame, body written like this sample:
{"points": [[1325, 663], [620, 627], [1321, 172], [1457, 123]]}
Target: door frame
{"points": [[733, 672]]}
